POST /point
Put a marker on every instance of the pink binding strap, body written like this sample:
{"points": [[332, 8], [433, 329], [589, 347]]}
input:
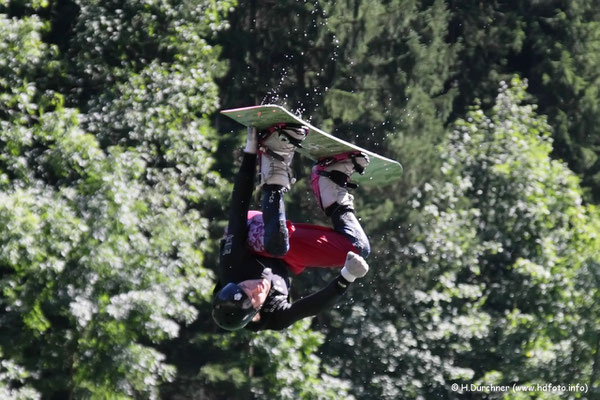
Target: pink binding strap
{"points": [[314, 181]]}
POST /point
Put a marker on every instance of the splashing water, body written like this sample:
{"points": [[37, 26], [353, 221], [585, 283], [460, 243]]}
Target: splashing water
{"points": [[278, 94]]}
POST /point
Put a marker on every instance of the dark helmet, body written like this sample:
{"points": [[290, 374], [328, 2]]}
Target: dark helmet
{"points": [[232, 308]]}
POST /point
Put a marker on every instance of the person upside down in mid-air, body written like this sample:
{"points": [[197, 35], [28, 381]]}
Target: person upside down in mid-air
{"points": [[261, 248]]}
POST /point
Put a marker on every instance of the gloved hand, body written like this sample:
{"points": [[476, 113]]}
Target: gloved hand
{"points": [[354, 267], [251, 141]]}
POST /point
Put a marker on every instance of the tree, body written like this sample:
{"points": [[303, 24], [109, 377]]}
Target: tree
{"points": [[495, 285], [506, 244], [554, 44], [109, 204], [104, 164], [265, 365], [276, 55], [389, 89]]}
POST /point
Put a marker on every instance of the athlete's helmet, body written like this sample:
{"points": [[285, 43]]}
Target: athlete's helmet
{"points": [[232, 308]]}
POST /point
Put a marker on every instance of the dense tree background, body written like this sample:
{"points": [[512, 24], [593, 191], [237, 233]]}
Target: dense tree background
{"points": [[115, 173]]}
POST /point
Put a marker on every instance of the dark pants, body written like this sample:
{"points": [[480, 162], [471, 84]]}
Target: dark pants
{"points": [[276, 234]]}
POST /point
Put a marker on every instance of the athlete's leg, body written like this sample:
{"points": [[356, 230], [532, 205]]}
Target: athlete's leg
{"points": [[330, 182], [309, 245], [316, 246], [276, 236], [345, 222], [276, 151]]}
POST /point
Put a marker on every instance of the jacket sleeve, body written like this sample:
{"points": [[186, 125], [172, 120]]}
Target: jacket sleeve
{"points": [[309, 305], [233, 246]]}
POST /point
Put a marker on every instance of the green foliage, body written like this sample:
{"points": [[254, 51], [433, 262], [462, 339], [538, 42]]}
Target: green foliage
{"points": [[113, 188], [389, 91], [497, 283], [503, 242], [107, 187], [12, 379], [104, 165], [554, 44], [89, 270], [394, 75], [276, 54], [267, 365], [290, 367]]}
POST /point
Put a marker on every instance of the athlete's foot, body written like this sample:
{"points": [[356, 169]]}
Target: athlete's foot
{"points": [[331, 179], [276, 150]]}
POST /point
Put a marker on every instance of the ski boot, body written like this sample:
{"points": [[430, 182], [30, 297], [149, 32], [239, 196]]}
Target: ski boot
{"points": [[331, 180], [277, 145]]}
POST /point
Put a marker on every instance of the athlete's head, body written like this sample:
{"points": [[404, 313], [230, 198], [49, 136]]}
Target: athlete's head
{"points": [[235, 305]]}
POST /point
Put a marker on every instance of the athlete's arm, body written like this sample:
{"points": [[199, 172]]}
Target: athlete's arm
{"points": [[286, 314], [308, 306], [233, 247]]}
